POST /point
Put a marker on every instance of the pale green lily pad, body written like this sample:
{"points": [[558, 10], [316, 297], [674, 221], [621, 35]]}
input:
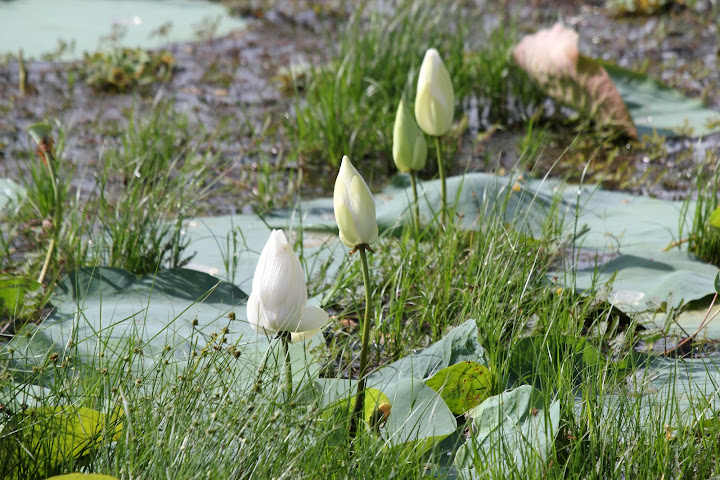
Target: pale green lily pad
{"points": [[478, 195], [513, 432], [662, 391], [112, 314], [419, 417], [170, 308], [656, 107], [459, 345], [337, 395], [624, 244], [689, 321], [627, 244]]}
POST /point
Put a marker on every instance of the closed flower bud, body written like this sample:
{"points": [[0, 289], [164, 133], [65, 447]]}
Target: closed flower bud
{"points": [[435, 100], [279, 293], [409, 147], [354, 207]]}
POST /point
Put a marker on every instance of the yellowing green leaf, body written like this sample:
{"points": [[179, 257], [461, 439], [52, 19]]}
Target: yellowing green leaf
{"points": [[57, 434], [714, 219], [462, 386]]}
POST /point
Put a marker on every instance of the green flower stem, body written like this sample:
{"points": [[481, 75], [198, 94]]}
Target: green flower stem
{"points": [[46, 150], [443, 188], [360, 397], [285, 338], [416, 204]]}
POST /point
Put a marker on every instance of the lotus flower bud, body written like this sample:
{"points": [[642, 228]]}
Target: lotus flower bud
{"points": [[409, 147], [279, 293], [435, 100], [354, 207]]}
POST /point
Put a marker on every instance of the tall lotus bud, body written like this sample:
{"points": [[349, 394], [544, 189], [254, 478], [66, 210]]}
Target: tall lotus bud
{"points": [[354, 207], [409, 147], [435, 100], [279, 293]]}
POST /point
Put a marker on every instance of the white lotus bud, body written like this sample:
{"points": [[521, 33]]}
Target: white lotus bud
{"points": [[435, 100], [409, 147], [354, 207], [279, 293]]}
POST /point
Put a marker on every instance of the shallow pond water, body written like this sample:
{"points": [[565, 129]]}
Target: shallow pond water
{"points": [[38, 26]]}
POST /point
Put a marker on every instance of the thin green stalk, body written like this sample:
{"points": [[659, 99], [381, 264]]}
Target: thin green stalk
{"points": [[360, 397], [285, 338], [416, 203], [443, 188], [45, 150]]}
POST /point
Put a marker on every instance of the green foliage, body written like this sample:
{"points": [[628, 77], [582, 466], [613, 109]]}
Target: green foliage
{"points": [[57, 435], [82, 476], [123, 69], [704, 234], [349, 105], [19, 298], [511, 432], [537, 358]]}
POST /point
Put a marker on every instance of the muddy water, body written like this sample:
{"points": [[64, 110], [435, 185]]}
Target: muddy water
{"points": [[232, 80]]}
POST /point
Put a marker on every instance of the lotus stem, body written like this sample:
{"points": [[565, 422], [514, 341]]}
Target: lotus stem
{"points": [[443, 188], [285, 338], [416, 204], [360, 397]]}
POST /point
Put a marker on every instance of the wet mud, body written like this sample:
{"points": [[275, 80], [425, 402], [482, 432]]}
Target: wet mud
{"points": [[241, 81]]}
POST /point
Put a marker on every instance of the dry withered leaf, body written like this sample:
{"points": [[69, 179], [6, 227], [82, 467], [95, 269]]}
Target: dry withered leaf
{"points": [[551, 57]]}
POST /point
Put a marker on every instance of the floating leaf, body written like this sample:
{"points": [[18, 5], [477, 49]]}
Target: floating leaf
{"points": [[511, 433], [655, 107], [717, 282], [463, 385], [626, 245], [419, 417], [551, 57], [459, 345], [334, 393], [169, 308]]}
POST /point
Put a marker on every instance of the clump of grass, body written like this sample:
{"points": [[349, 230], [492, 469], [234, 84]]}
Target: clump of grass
{"points": [[148, 184], [703, 239], [213, 416], [350, 104]]}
